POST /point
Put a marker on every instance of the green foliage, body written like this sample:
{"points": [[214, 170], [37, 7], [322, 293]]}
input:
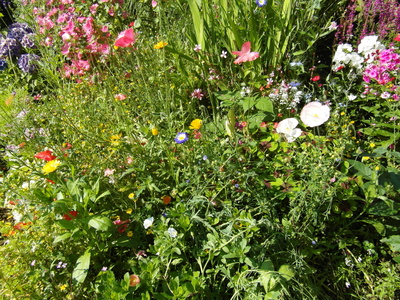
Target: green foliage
{"points": [[120, 210]]}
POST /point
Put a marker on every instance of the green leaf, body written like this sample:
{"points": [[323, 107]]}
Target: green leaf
{"points": [[393, 242], [265, 104], [100, 223], [248, 103], [286, 271], [381, 209], [267, 265], [62, 237], [82, 268], [361, 168], [378, 226]]}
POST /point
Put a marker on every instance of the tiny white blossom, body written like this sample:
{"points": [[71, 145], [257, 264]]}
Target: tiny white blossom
{"points": [[197, 48], [148, 222], [172, 232], [223, 54]]}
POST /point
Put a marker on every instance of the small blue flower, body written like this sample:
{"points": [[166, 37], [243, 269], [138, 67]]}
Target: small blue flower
{"points": [[205, 157], [294, 84], [261, 3], [181, 137]]}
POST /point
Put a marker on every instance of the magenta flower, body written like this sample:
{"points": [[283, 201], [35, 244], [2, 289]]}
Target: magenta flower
{"points": [[125, 39]]}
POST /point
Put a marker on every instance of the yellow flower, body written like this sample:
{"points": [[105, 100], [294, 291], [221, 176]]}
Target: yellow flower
{"points": [[63, 287], [114, 139], [130, 233], [196, 124], [51, 166], [154, 131], [129, 211], [160, 45], [131, 195], [372, 145]]}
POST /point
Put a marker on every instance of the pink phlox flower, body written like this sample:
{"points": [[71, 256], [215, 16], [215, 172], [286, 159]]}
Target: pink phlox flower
{"points": [[154, 3], [93, 8], [126, 38], [245, 54], [197, 93]]}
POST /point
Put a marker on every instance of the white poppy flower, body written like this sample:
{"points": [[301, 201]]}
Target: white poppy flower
{"points": [[314, 114], [287, 127]]}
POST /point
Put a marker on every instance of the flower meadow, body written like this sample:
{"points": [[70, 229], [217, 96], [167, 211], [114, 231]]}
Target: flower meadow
{"points": [[209, 149]]}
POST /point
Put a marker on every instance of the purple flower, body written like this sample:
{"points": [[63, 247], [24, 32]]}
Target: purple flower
{"points": [[27, 41], [261, 3], [27, 62], [181, 137], [18, 31], [9, 47]]}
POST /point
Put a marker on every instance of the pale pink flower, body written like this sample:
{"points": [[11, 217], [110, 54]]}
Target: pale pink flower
{"points": [[245, 54], [109, 172], [153, 4], [197, 93], [120, 97]]}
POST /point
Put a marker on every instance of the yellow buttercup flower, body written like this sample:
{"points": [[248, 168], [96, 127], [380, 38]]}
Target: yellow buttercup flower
{"points": [[51, 166], [196, 124], [129, 211], [160, 45], [154, 131], [129, 234]]}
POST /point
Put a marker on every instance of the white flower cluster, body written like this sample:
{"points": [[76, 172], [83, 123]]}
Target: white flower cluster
{"points": [[286, 95], [345, 55]]}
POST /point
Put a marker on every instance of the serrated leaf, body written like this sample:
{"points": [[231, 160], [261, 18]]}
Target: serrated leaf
{"points": [[82, 268], [100, 223]]}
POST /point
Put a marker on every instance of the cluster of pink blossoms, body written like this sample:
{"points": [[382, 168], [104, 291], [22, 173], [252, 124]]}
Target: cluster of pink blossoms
{"points": [[386, 61], [80, 37]]}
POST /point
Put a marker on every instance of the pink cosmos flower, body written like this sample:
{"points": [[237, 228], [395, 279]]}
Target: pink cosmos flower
{"points": [[125, 39], [245, 54]]}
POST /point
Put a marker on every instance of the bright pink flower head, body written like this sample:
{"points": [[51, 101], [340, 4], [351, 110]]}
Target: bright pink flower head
{"points": [[245, 54], [125, 39]]}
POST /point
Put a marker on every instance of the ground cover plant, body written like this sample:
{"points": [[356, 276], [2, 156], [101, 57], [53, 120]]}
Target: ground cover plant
{"points": [[199, 149]]}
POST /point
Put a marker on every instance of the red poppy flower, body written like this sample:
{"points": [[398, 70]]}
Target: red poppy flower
{"points": [[315, 78], [397, 38], [70, 215], [46, 155]]}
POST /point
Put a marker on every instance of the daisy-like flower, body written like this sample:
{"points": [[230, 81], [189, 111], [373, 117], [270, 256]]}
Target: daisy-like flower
{"points": [[160, 45], [181, 137], [261, 3]]}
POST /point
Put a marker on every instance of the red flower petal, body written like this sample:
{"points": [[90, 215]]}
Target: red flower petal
{"points": [[70, 215], [46, 155]]}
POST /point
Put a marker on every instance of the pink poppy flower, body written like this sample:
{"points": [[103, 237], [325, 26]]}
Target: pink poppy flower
{"points": [[245, 54], [125, 39], [314, 114], [153, 4]]}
